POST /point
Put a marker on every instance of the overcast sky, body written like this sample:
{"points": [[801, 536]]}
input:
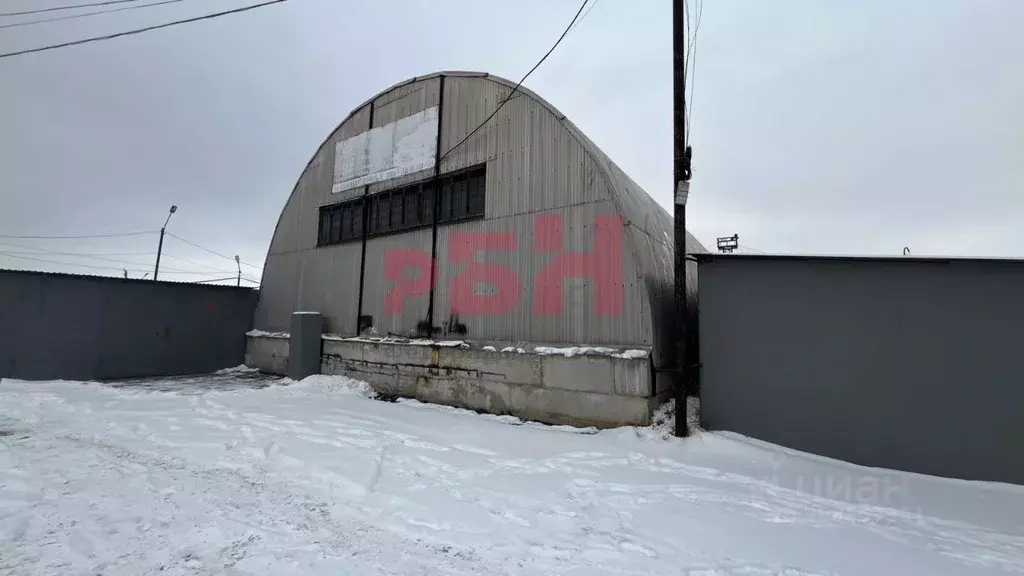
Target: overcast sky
{"points": [[819, 126]]}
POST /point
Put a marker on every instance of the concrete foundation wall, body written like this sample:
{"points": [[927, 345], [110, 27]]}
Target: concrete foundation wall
{"points": [[597, 391], [61, 326], [268, 354], [600, 391], [911, 364]]}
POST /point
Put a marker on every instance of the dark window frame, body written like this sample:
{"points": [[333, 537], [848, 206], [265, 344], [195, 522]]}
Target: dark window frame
{"points": [[461, 183], [407, 207]]}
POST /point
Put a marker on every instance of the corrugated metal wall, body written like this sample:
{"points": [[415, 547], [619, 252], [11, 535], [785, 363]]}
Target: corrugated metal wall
{"points": [[298, 275], [405, 100], [377, 286], [579, 321], [537, 164]]}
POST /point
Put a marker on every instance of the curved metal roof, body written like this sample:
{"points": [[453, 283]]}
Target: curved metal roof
{"points": [[636, 205]]}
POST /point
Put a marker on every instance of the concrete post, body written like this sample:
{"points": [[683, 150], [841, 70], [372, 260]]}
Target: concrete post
{"points": [[305, 345]]}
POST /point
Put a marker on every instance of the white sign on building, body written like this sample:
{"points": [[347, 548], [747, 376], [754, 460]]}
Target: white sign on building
{"points": [[402, 147]]}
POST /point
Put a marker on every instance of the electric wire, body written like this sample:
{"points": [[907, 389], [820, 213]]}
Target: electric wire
{"points": [[66, 7], [163, 269], [87, 14], [53, 253], [46, 252], [140, 30], [194, 263], [691, 63], [520, 83], [123, 270], [232, 279], [84, 237], [36, 251], [69, 263], [584, 17], [190, 243]]}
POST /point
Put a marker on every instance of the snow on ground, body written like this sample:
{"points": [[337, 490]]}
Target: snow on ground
{"points": [[212, 476]]}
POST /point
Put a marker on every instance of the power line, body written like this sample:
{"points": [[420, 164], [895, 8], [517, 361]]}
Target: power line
{"points": [[15, 237], [31, 256], [115, 269], [584, 17], [520, 83], [193, 262], [71, 7], [53, 253], [691, 61], [140, 30], [87, 14], [46, 251], [68, 263], [232, 279], [190, 243]]}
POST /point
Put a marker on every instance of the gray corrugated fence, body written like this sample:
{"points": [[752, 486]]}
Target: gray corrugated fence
{"points": [[59, 326], [911, 364]]}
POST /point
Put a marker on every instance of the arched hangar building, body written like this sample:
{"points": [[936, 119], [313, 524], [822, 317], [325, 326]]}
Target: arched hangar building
{"points": [[410, 221]]}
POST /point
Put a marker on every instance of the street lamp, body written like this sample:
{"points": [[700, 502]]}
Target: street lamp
{"points": [[160, 247], [238, 262]]}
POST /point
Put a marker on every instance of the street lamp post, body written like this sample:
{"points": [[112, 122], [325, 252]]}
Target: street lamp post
{"points": [[238, 262], [160, 246]]}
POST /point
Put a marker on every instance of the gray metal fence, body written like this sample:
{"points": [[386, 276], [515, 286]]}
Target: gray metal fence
{"points": [[904, 363], [95, 328]]}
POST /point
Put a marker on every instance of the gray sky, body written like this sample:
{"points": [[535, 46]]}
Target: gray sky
{"points": [[820, 126]]}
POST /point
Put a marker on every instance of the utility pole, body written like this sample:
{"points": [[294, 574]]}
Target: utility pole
{"points": [[160, 246], [681, 169], [238, 262]]}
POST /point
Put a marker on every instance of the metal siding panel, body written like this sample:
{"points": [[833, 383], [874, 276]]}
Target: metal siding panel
{"points": [[579, 323], [376, 284], [293, 257], [278, 292], [534, 164], [356, 124], [317, 193], [330, 287], [405, 101], [653, 242], [469, 101], [655, 269], [297, 227]]}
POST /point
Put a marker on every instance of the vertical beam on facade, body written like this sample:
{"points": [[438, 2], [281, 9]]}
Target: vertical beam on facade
{"points": [[362, 258], [437, 197]]}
